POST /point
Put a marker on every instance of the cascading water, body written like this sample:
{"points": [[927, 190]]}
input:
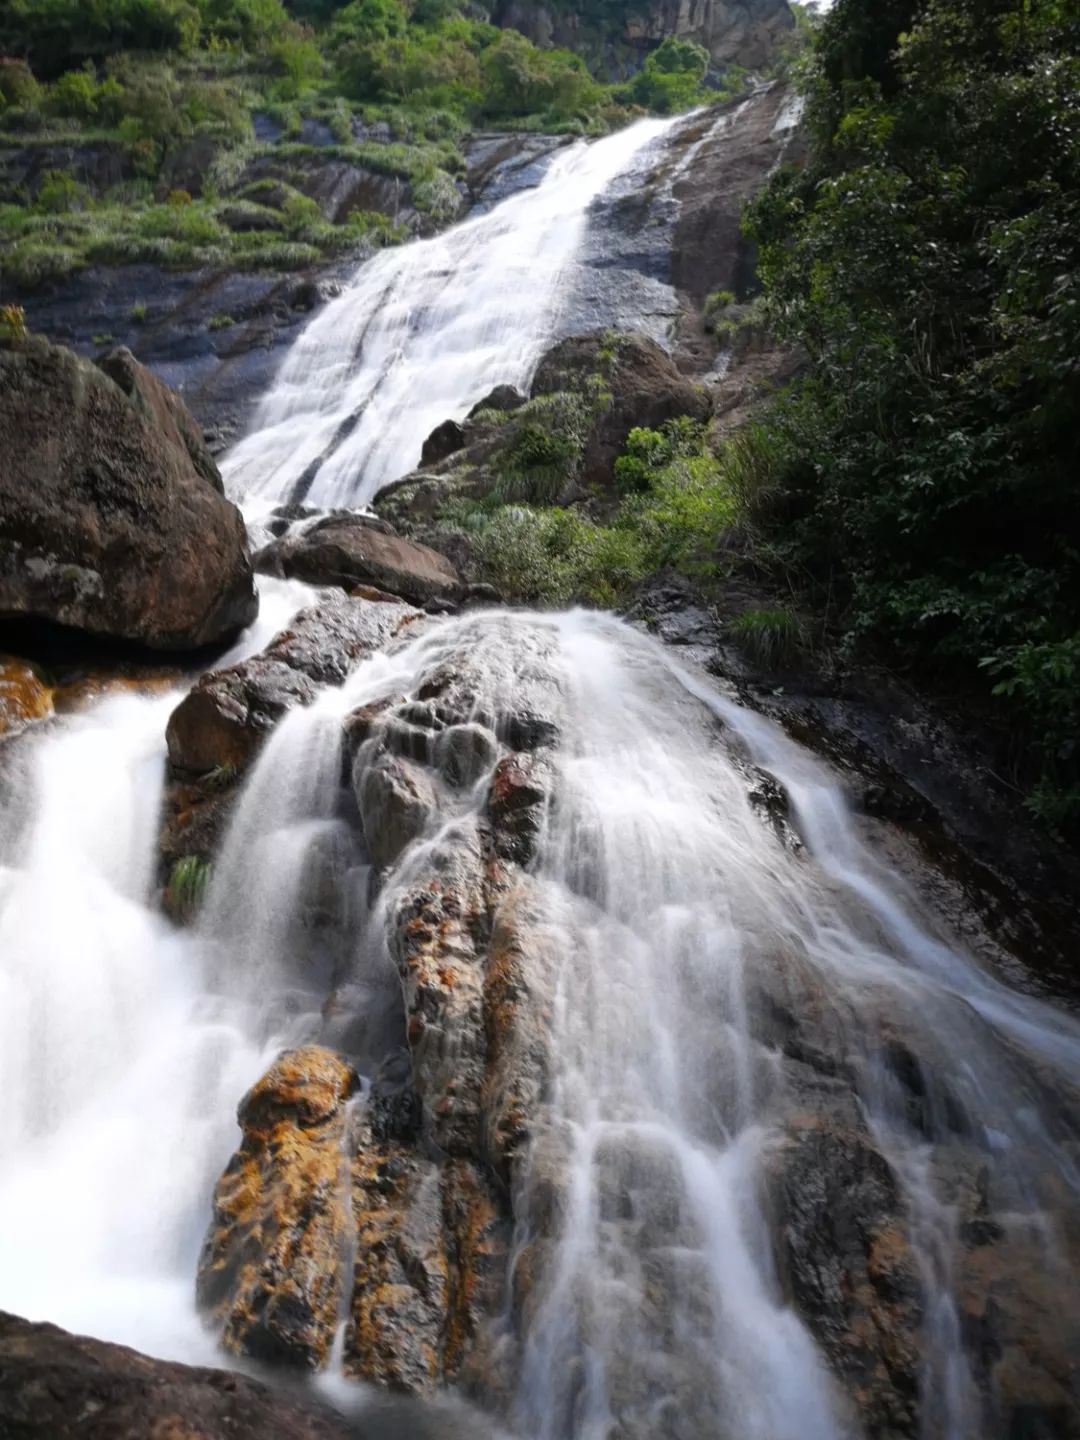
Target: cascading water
{"points": [[732, 989], [681, 915], [422, 334]]}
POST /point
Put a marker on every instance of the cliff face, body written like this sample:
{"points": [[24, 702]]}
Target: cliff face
{"points": [[742, 32]]}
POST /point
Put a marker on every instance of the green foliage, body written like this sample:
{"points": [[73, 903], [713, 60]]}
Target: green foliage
{"points": [[189, 880], [554, 556], [543, 458], [13, 323], [58, 193], [771, 638], [649, 454], [928, 260], [139, 312], [672, 77]]}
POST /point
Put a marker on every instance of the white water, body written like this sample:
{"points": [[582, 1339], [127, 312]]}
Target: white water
{"points": [[422, 334], [125, 1045]]}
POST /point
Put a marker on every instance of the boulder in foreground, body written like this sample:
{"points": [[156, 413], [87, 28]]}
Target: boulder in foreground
{"points": [[112, 515], [56, 1386]]}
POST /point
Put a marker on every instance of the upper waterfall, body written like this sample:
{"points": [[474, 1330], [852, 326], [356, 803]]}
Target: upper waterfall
{"points": [[422, 333]]}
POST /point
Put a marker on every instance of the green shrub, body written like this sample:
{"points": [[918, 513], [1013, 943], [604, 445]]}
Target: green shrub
{"points": [[59, 192], [189, 880], [923, 471], [138, 313], [31, 263], [542, 460], [771, 638], [18, 87]]}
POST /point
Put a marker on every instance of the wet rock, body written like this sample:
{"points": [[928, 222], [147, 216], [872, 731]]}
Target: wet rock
{"points": [[445, 440], [737, 150], [24, 696], [112, 517], [348, 550], [464, 753], [520, 791], [222, 722], [844, 1252], [397, 802], [271, 1269], [57, 1386]]}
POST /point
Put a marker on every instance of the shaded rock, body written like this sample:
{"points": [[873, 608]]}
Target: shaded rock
{"points": [[56, 1386], [349, 550], [112, 518], [272, 1264], [397, 802], [446, 439], [503, 398], [844, 1252], [226, 717], [743, 32]]}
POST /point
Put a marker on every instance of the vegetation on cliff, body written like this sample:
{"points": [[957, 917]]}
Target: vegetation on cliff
{"points": [[923, 472], [141, 131]]}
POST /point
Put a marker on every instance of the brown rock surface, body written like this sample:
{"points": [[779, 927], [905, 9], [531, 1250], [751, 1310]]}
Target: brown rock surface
{"points": [[56, 1386], [23, 694], [348, 550], [273, 1262], [112, 517]]}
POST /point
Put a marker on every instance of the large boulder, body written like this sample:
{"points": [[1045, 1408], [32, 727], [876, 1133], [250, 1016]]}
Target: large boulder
{"points": [[112, 515], [56, 1386], [349, 550]]}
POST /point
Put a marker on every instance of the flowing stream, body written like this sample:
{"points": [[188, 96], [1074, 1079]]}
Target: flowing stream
{"points": [[720, 973], [422, 334]]}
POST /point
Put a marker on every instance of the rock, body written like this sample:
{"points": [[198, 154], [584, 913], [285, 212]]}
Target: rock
{"points": [[272, 1263], [349, 550], [645, 386], [503, 399], [843, 1251], [112, 519], [743, 32], [397, 803], [56, 1386], [222, 722], [445, 440], [24, 695]]}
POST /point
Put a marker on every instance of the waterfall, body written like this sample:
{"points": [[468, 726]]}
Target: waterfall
{"points": [[682, 914], [421, 334]]}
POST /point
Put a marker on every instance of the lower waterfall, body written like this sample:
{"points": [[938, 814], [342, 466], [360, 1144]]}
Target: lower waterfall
{"points": [[738, 988]]}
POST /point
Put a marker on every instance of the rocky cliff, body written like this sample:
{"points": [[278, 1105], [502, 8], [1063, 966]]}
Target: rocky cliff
{"points": [[735, 32]]}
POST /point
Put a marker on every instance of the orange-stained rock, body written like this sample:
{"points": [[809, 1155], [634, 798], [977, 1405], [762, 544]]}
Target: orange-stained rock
{"points": [[78, 695], [271, 1269], [23, 694]]}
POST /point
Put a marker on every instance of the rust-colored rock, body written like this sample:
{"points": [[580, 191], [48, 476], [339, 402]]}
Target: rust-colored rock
{"points": [[271, 1270], [24, 695]]}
